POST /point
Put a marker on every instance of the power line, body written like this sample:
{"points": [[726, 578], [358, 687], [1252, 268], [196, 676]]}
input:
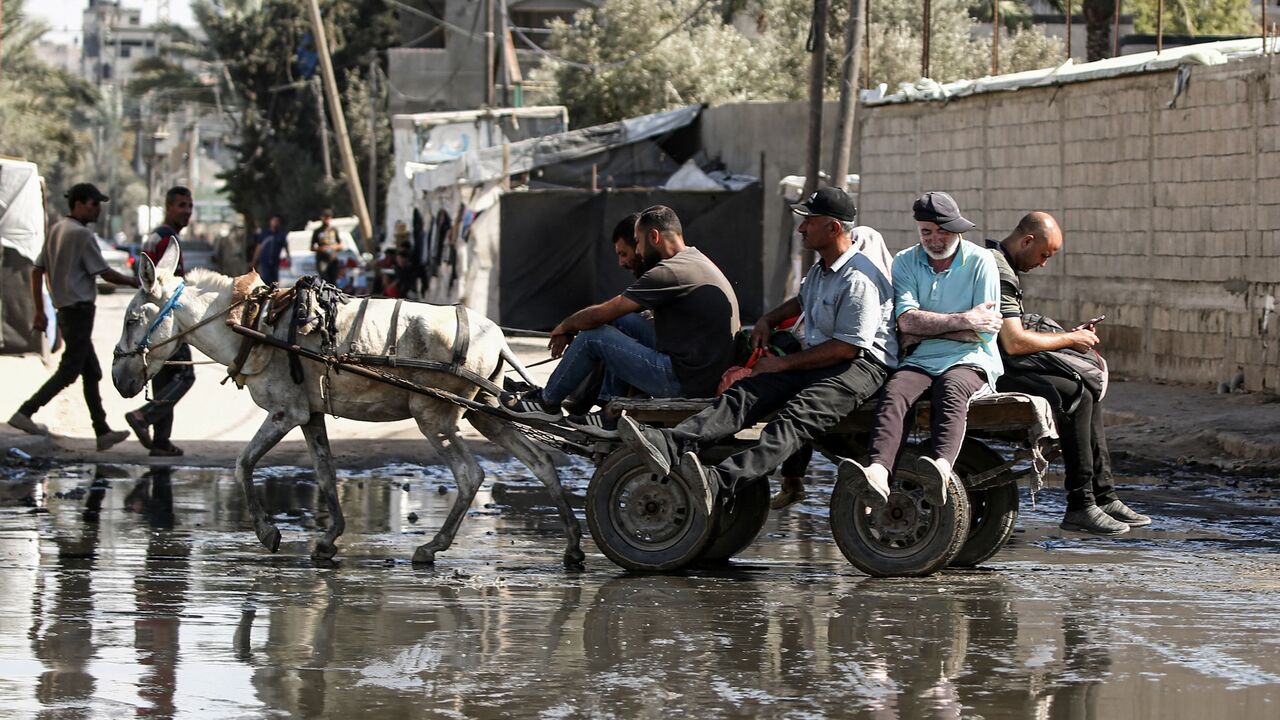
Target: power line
{"points": [[608, 65]]}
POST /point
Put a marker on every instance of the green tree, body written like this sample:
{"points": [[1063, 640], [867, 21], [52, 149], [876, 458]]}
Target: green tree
{"points": [[43, 110], [1196, 17], [257, 44], [630, 57]]}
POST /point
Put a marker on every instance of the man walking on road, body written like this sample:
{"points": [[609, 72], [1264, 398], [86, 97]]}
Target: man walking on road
{"points": [[847, 302], [272, 243], [153, 422], [72, 260], [1092, 503]]}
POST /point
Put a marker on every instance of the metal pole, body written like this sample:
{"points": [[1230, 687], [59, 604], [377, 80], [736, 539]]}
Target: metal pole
{"points": [[817, 80], [340, 127], [995, 37], [1068, 29], [924, 50], [866, 65], [1160, 26], [848, 92], [488, 53], [373, 144], [1115, 33]]}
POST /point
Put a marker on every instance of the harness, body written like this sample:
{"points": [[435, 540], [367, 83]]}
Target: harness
{"points": [[145, 343]]}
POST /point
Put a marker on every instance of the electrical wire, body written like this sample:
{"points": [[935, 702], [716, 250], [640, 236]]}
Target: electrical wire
{"points": [[608, 65]]}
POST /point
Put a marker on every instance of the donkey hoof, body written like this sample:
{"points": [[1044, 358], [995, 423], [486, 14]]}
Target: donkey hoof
{"points": [[574, 558], [270, 538], [424, 555], [324, 551]]}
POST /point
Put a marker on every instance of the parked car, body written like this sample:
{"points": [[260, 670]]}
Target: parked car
{"points": [[350, 260], [117, 259]]}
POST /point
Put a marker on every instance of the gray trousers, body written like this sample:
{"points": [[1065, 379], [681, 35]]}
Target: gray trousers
{"points": [[949, 395]]}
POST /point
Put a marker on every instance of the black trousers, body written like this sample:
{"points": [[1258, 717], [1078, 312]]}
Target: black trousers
{"points": [[78, 361], [808, 403], [949, 395], [1081, 433], [168, 387]]}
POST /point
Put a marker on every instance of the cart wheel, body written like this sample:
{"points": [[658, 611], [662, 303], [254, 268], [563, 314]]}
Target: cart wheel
{"points": [[993, 511], [906, 537], [738, 525], [642, 521]]}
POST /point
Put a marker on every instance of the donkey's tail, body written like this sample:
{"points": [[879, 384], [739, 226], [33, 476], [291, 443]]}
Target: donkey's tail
{"points": [[510, 357]]}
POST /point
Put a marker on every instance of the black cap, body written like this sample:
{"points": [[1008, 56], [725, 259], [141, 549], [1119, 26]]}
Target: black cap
{"points": [[941, 209], [84, 192], [829, 202]]}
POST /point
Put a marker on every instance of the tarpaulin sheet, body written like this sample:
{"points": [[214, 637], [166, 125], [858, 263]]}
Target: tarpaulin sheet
{"points": [[479, 166], [557, 257]]}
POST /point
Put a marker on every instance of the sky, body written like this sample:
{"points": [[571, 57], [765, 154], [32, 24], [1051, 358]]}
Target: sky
{"points": [[64, 16]]}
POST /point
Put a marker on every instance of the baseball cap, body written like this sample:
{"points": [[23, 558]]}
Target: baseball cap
{"points": [[829, 202], [941, 209], [83, 192]]}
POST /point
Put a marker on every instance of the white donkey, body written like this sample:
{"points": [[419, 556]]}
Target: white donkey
{"points": [[166, 306]]}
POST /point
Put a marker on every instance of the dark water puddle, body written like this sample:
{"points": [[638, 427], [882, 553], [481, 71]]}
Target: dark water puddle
{"points": [[143, 592]]}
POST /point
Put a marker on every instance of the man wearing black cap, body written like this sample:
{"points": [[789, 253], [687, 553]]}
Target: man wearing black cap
{"points": [[72, 260], [946, 290], [849, 348]]}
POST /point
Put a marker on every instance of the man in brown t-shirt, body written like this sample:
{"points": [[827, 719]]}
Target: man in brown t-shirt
{"points": [[72, 260], [695, 314]]}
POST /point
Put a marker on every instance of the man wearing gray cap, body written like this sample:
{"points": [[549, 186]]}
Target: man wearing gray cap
{"points": [[849, 349], [72, 260], [946, 292]]}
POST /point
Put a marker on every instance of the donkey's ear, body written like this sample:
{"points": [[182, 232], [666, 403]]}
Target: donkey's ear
{"points": [[147, 276], [169, 261]]}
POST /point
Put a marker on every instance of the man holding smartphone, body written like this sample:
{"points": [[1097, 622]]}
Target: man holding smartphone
{"points": [[1092, 504]]}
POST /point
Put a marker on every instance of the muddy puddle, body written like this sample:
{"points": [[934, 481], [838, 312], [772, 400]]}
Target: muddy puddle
{"points": [[126, 591]]}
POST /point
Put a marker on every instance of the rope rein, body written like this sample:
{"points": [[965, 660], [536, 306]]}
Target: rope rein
{"points": [[170, 305]]}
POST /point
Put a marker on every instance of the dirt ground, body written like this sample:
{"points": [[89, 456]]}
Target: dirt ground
{"points": [[1160, 423]]}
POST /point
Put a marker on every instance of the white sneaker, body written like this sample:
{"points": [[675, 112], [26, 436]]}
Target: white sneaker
{"points": [[871, 481], [937, 474]]}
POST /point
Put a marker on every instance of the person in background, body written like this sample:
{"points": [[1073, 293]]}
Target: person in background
{"points": [[72, 261], [325, 243], [153, 422], [272, 243]]}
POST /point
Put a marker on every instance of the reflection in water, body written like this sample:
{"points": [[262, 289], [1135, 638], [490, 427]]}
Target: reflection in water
{"points": [[184, 608]]}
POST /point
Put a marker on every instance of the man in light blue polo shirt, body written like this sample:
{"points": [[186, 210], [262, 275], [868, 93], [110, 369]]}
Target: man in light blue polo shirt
{"points": [[849, 349], [946, 293]]}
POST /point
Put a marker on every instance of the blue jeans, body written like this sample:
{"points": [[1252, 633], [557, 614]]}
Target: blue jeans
{"points": [[627, 359]]}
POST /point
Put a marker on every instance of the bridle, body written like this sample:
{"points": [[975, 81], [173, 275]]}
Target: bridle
{"points": [[169, 306]]}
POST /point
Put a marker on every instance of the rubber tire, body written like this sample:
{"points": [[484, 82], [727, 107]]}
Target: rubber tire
{"points": [[945, 536], [692, 537], [737, 528], [993, 511]]}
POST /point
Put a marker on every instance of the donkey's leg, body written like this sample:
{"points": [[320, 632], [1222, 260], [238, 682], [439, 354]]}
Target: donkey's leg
{"points": [[318, 440], [273, 429], [468, 475], [539, 461]]}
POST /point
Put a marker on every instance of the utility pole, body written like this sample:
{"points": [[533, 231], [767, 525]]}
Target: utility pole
{"points": [[817, 79], [1115, 28], [324, 128], [1068, 29], [489, 99], [924, 49], [849, 91], [340, 126], [995, 37], [373, 143]]}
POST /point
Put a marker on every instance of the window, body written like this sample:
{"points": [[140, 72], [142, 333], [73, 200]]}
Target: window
{"points": [[534, 23]]}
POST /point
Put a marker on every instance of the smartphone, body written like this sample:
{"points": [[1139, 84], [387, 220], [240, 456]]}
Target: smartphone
{"points": [[1094, 321]]}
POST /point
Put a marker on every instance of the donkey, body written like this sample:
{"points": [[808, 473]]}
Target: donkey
{"points": [[166, 306]]}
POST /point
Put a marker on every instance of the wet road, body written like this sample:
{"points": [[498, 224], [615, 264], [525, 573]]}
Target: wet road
{"points": [[147, 595]]}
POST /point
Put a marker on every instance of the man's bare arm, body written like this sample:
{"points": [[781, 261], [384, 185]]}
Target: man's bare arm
{"points": [[1017, 340], [118, 278], [765, 325], [925, 324]]}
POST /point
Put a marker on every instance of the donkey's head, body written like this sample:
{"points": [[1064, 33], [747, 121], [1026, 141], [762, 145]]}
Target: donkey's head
{"points": [[148, 323]]}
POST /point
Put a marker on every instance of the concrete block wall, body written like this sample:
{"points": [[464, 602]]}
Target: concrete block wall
{"points": [[1172, 215]]}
